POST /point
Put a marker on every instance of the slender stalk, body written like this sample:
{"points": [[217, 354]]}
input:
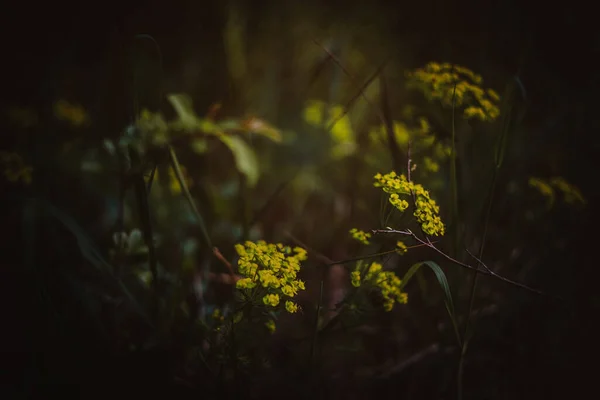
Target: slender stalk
{"points": [[313, 347], [145, 220], [453, 177], [499, 153]]}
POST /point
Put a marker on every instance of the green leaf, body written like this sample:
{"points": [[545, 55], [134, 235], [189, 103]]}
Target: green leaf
{"points": [[182, 104], [441, 278], [245, 157]]}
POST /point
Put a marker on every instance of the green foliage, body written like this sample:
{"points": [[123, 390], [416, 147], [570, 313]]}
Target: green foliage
{"points": [[189, 198]]}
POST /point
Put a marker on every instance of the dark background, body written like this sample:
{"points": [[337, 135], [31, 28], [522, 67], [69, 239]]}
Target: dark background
{"points": [[537, 348]]}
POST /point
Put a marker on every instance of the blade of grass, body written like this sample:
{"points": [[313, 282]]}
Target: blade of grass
{"points": [[139, 187], [186, 193], [441, 278], [499, 153], [454, 178], [313, 346]]}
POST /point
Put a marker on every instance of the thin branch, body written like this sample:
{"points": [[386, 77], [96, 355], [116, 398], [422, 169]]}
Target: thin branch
{"points": [[487, 271], [352, 78], [360, 91], [220, 257]]}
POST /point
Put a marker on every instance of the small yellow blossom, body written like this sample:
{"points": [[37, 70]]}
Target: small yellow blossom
{"points": [[270, 325], [544, 188], [355, 276], [401, 247], [291, 307], [271, 300], [361, 236]]}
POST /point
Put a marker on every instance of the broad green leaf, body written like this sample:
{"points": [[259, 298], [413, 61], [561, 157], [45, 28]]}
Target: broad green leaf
{"points": [[245, 157]]}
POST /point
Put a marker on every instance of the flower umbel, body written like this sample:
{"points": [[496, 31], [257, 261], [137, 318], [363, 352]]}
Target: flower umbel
{"points": [[426, 209], [384, 281], [454, 85], [272, 269], [361, 236]]}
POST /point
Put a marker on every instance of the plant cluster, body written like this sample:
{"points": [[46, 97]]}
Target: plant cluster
{"points": [[269, 273], [426, 209]]}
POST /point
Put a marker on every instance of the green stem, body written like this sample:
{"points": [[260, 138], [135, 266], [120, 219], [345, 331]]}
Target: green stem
{"points": [[313, 347], [145, 220], [454, 178], [499, 153]]}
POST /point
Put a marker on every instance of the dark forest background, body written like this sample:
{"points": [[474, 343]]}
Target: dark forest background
{"points": [[524, 345]]}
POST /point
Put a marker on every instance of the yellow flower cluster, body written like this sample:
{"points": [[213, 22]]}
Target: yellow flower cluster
{"points": [[385, 281], [272, 267], [14, 168], [401, 247], [361, 236], [426, 209], [571, 193], [453, 84]]}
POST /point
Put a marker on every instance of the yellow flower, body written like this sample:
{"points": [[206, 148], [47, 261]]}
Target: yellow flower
{"points": [[401, 247], [271, 300], [271, 267], [291, 307], [355, 275], [270, 325], [361, 236], [544, 188], [571, 193], [386, 282], [245, 283]]}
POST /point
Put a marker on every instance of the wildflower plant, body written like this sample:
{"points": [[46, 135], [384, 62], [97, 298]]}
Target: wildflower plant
{"points": [[400, 191], [384, 282], [454, 85], [361, 236], [269, 276]]}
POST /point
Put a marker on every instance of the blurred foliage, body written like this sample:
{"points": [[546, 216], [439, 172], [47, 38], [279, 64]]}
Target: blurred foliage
{"points": [[233, 222]]}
